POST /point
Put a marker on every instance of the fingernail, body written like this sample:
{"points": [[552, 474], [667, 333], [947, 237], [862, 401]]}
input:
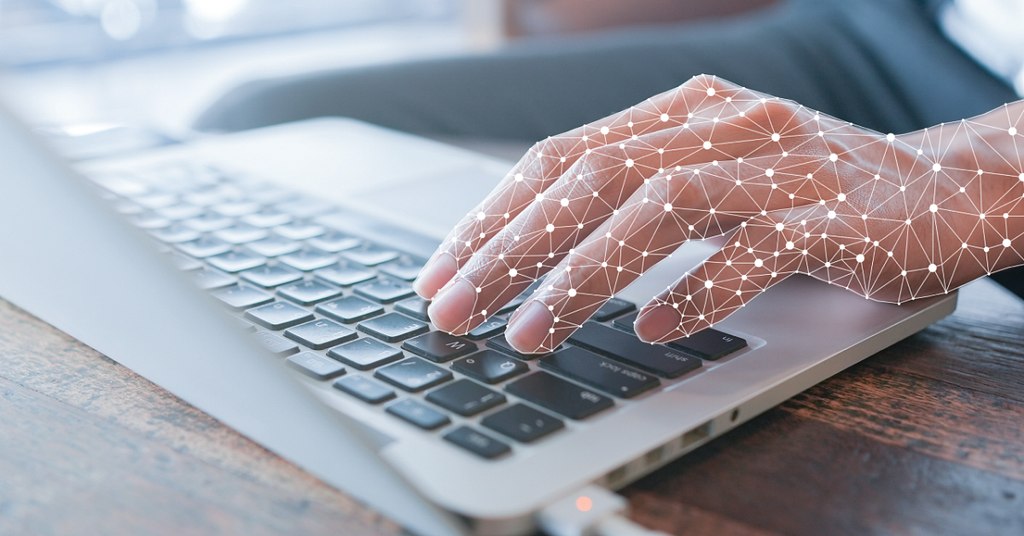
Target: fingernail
{"points": [[656, 323], [527, 332], [450, 310], [434, 275]]}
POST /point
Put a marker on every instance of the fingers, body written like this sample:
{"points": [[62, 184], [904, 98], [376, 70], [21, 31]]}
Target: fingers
{"points": [[701, 99], [764, 251], [666, 211]]}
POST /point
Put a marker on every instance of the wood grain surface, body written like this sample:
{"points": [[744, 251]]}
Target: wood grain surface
{"points": [[923, 438]]}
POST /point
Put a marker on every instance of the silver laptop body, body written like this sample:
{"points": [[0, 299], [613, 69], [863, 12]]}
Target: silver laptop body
{"points": [[68, 260]]}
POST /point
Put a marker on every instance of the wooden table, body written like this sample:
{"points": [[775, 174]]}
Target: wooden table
{"points": [[923, 438]]}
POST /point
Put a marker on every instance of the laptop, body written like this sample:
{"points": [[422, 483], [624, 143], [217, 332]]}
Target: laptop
{"points": [[306, 337]]}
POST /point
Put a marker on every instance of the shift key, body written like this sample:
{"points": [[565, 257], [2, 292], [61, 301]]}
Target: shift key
{"points": [[626, 348], [599, 372]]}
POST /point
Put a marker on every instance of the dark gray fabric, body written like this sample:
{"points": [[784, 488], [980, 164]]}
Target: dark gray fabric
{"points": [[882, 64]]}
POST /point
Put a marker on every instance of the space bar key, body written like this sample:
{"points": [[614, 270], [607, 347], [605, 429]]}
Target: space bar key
{"points": [[626, 348]]}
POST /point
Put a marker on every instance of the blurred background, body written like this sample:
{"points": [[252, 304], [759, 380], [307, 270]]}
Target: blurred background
{"points": [[107, 75]]}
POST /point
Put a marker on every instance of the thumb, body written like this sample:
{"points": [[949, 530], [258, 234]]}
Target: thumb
{"points": [[762, 252]]}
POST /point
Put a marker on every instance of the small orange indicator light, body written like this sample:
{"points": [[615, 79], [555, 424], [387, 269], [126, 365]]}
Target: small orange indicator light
{"points": [[584, 503]]}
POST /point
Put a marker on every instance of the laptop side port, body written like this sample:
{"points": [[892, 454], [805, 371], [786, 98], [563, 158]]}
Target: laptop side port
{"points": [[697, 434]]}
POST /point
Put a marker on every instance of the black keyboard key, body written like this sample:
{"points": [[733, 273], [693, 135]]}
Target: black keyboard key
{"points": [[315, 366], [415, 307], [349, 309], [274, 246], [274, 344], [271, 275], [559, 395], [465, 397], [413, 374], [476, 442], [208, 278], [522, 423], [626, 348], [384, 290], [489, 366], [404, 268], [267, 218], [709, 344], [320, 334], [626, 323], [333, 241], [308, 292], [299, 230], [392, 327], [242, 296], [345, 274], [500, 343], [206, 246], [369, 255], [439, 346], [613, 308], [308, 259], [236, 261], [279, 315], [599, 372], [365, 353], [418, 414], [493, 326], [241, 234], [364, 389], [175, 234]]}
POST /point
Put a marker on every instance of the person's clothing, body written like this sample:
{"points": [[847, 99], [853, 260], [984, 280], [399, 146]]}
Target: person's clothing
{"points": [[882, 64]]}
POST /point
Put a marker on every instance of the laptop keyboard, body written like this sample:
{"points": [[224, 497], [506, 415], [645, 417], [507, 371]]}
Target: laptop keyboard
{"points": [[340, 309]]}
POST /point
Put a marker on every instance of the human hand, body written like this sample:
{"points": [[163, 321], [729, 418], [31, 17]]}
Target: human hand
{"points": [[892, 218]]}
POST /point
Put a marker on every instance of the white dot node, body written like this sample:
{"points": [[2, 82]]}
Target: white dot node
{"points": [[842, 246], [878, 177], [934, 208], [775, 274], [712, 211], [661, 151], [1021, 177], [709, 283], [982, 215], [690, 227], [711, 92], [833, 157], [707, 145], [792, 196], [775, 137], [501, 256], [629, 162], [571, 292], [728, 99], [564, 202], [985, 249], [743, 277], [962, 189], [539, 197], [551, 255], [1012, 131], [507, 215], [645, 200], [664, 118], [622, 243], [668, 207], [483, 313], [739, 160], [743, 114], [785, 154], [549, 228], [963, 246], [863, 216], [821, 134], [562, 160], [889, 253], [615, 212], [903, 188], [936, 167], [779, 226], [789, 245], [758, 263], [728, 262], [1006, 216], [540, 265], [618, 268], [519, 177], [714, 120], [644, 254], [739, 292], [604, 130], [860, 258], [700, 317], [739, 182], [828, 264], [932, 267], [480, 215], [769, 172], [579, 225], [981, 172], [907, 222], [483, 235], [479, 290], [903, 273], [1006, 242], [890, 137], [831, 214]]}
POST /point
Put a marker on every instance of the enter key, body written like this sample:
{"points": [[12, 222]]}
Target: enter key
{"points": [[599, 372]]}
